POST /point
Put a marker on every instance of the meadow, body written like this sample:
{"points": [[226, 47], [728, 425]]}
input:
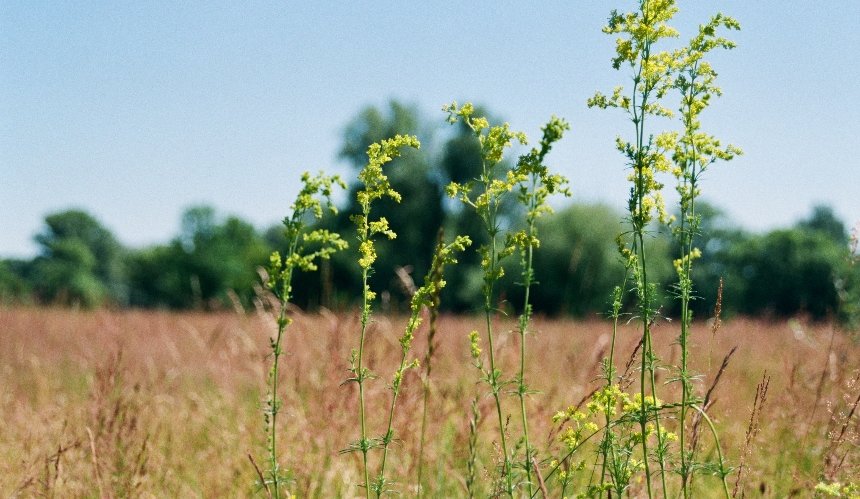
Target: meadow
{"points": [[157, 404], [639, 401]]}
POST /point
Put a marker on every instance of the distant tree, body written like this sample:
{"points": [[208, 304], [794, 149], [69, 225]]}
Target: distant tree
{"points": [[791, 271], [81, 262], [825, 221], [786, 272], [577, 264], [210, 263], [14, 288]]}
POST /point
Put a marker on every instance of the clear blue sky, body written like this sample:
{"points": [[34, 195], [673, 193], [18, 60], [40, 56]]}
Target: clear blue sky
{"points": [[135, 110]]}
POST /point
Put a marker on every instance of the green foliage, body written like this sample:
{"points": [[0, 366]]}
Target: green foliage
{"points": [[14, 288], [656, 76], [786, 272], [577, 266], [425, 297], [211, 263], [485, 195], [80, 263], [415, 220], [419, 175]]}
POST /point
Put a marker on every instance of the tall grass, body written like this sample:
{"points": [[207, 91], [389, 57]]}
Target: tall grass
{"points": [[193, 414], [196, 414]]}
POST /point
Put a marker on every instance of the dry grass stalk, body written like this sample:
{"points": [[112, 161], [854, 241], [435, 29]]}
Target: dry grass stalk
{"points": [[753, 427]]}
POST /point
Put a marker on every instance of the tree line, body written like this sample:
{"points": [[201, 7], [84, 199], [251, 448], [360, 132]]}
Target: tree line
{"points": [[214, 261]]}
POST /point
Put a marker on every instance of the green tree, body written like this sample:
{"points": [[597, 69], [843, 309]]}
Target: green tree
{"points": [[789, 271], [824, 220], [81, 262], [211, 263], [577, 265], [14, 288], [717, 237]]}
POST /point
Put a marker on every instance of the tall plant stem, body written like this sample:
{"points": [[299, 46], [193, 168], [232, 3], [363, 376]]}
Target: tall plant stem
{"points": [[274, 403], [365, 315], [428, 358], [723, 473], [424, 398], [493, 374], [524, 324], [388, 432], [685, 288], [607, 450], [641, 277], [645, 295], [688, 228], [414, 320]]}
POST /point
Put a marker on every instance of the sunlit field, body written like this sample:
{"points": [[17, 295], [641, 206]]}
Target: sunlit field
{"points": [[136, 403]]}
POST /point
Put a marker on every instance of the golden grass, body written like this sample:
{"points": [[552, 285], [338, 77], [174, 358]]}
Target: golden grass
{"points": [[157, 404]]}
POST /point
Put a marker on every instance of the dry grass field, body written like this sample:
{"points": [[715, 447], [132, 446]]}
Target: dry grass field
{"points": [[156, 404]]}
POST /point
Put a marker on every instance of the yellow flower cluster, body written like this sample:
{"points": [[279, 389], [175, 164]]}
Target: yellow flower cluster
{"points": [[475, 345]]}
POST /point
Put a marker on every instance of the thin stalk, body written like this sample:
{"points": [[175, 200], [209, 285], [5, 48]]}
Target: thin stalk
{"points": [[365, 314], [685, 331], [493, 379], [274, 404], [524, 323], [687, 232], [645, 293], [435, 302], [641, 278], [723, 473], [472, 463], [425, 397], [412, 325], [608, 451], [388, 435]]}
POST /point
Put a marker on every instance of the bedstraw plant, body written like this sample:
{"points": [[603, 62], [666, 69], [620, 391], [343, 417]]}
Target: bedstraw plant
{"points": [[313, 200], [533, 195], [445, 254], [657, 75], [492, 187], [694, 152], [652, 73], [622, 434], [533, 182], [376, 186]]}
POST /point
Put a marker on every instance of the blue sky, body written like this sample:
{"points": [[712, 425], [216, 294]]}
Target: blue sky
{"points": [[136, 110]]}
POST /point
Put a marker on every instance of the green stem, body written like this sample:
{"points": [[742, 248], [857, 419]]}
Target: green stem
{"points": [[274, 404], [435, 302], [493, 375], [688, 209], [606, 449], [524, 323], [426, 395], [723, 473], [412, 325], [365, 315]]}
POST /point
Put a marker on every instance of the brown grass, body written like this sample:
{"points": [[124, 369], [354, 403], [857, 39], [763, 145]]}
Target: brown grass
{"points": [[133, 403]]}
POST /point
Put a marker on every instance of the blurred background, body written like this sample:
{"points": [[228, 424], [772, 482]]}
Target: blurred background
{"points": [[148, 152]]}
